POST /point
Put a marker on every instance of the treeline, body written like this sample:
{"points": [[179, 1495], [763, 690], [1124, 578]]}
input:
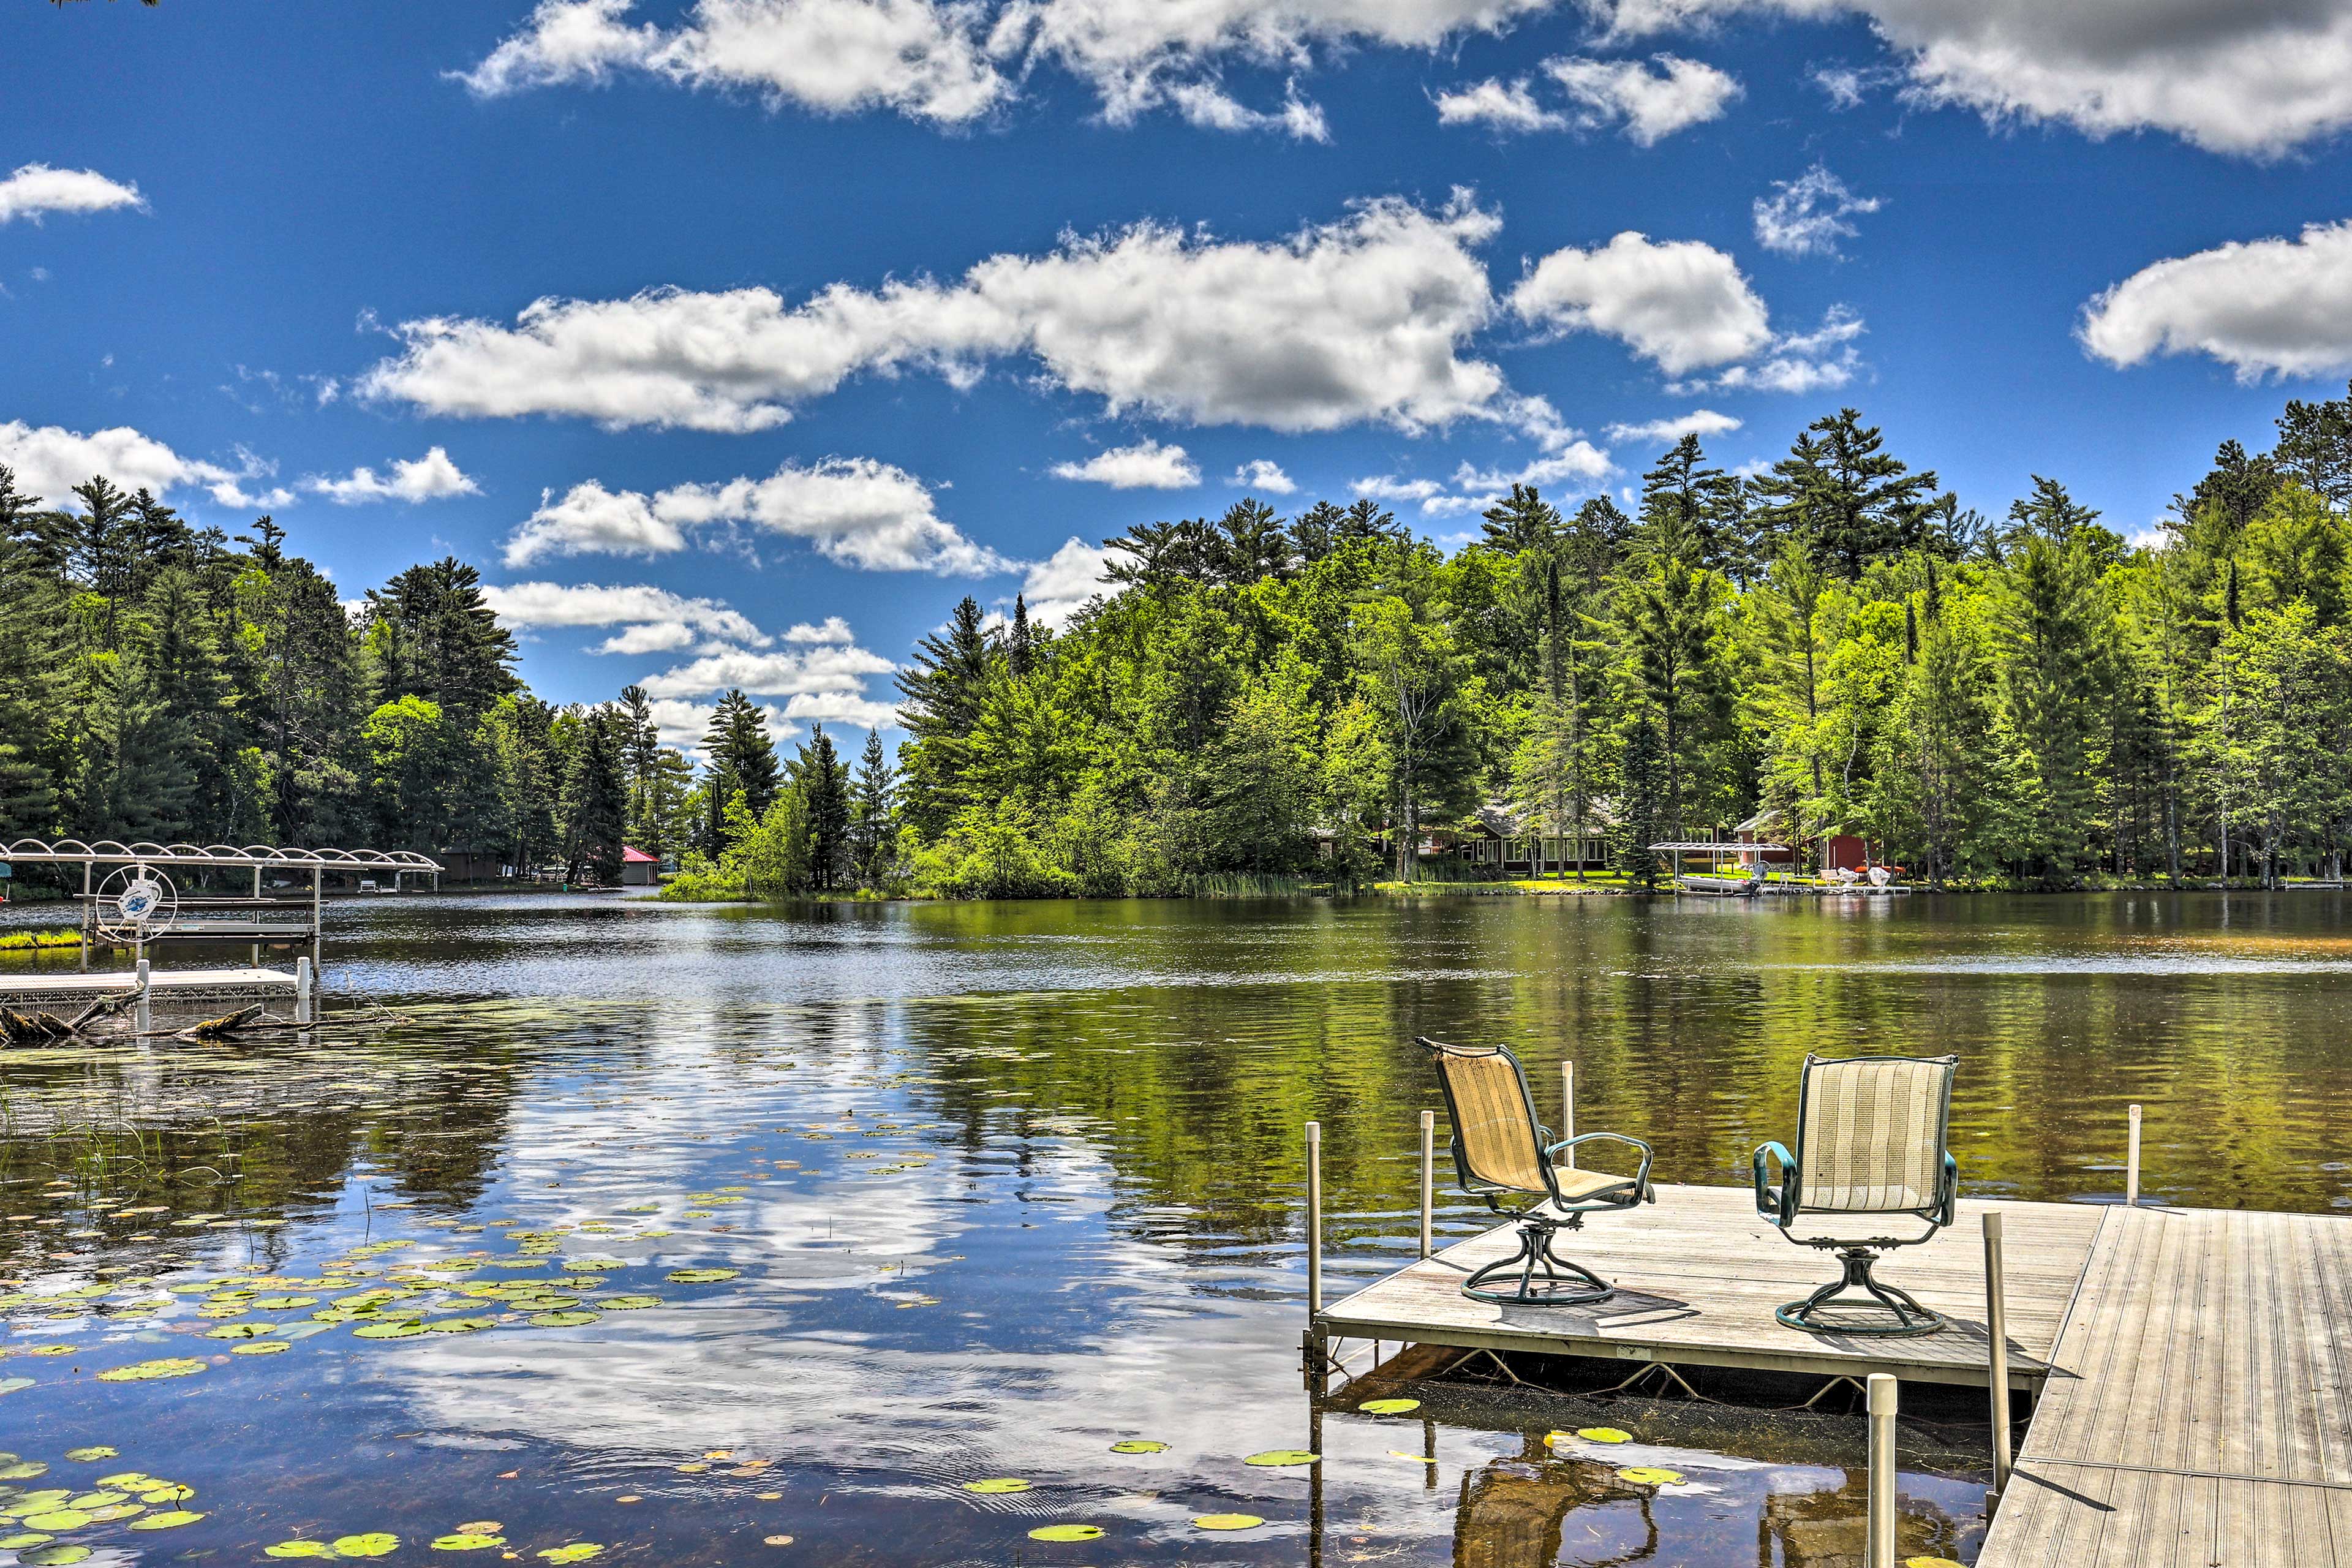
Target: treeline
{"points": [[1838, 643]]}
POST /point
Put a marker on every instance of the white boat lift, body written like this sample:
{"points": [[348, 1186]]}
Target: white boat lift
{"points": [[1749, 882]]}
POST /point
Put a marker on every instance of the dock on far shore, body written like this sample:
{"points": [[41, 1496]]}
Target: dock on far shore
{"points": [[2193, 1368]]}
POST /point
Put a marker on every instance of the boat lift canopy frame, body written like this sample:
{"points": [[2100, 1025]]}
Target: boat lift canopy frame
{"points": [[248, 856]]}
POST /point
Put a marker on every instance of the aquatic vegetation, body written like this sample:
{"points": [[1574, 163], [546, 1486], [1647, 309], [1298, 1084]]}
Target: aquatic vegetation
{"points": [[1388, 1407], [1279, 1459], [1227, 1521], [1067, 1532]]}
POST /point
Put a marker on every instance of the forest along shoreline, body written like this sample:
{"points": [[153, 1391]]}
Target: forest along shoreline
{"points": [[1835, 646]]}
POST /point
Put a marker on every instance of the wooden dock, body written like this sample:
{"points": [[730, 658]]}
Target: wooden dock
{"points": [[166, 985], [2193, 1367]]}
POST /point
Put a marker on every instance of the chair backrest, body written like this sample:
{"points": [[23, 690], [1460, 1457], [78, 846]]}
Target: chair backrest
{"points": [[1497, 1142], [1871, 1134]]}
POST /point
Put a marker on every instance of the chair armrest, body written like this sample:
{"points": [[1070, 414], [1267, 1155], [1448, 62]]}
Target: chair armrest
{"points": [[1948, 1208], [1641, 1177], [1778, 1207]]}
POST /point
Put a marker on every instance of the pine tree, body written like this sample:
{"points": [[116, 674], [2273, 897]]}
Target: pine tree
{"points": [[1249, 544], [822, 777], [1642, 806], [1852, 499], [2051, 627], [1520, 523], [943, 688], [743, 762], [873, 816], [596, 800], [1683, 497]]}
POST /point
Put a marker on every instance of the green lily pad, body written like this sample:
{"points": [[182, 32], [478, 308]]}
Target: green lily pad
{"points": [[89, 1500], [113, 1512], [1139, 1445], [564, 1320], [91, 1455], [997, 1484], [239, 1330], [124, 1479], [24, 1471], [1604, 1435], [147, 1371], [57, 1520], [1067, 1532], [578, 1551], [299, 1549], [402, 1330], [52, 1556], [376, 1543], [169, 1519], [463, 1541], [166, 1491], [628, 1303], [259, 1347], [284, 1303], [1648, 1476], [1388, 1407], [459, 1325], [1227, 1521], [21, 1539], [1278, 1458], [700, 1276]]}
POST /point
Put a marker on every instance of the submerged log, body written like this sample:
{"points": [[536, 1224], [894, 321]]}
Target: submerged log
{"points": [[104, 1007], [20, 1029], [226, 1023]]}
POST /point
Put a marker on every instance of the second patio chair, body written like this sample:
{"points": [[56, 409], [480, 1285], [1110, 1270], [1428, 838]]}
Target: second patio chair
{"points": [[1501, 1147]]}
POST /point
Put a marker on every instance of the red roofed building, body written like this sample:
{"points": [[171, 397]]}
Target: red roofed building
{"points": [[638, 870]]}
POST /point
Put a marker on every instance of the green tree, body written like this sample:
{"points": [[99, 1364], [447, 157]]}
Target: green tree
{"points": [[1852, 500]]}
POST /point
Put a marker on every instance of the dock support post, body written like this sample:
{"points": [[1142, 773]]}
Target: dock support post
{"points": [[2131, 1163], [88, 912], [304, 979], [146, 991], [1997, 1336], [1314, 1221], [1568, 1106], [1881, 1470], [1428, 1175]]}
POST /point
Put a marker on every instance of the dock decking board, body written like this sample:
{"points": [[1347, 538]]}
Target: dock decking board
{"points": [[2195, 1402]]}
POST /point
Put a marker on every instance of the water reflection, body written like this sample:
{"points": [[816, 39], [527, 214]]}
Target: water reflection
{"points": [[1003, 1186]]}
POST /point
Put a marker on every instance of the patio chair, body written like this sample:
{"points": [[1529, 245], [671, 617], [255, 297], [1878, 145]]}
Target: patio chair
{"points": [[1869, 1147], [1500, 1147]]}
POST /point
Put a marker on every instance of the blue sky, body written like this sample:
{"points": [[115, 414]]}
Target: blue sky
{"points": [[919, 257]]}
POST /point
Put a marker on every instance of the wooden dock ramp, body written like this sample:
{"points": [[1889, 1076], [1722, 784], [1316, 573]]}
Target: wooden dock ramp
{"points": [[2194, 1367]]}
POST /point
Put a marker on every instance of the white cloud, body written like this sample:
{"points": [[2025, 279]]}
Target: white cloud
{"points": [[1264, 474], [1147, 465], [1650, 105], [2278, 306], [652, 619], [1060, 587], [432, 476], [1680, 303], [831, 629], [48, 460], [834, 57], [36, 188], [1473, 488], [2254, 78], [1817, 361], [1358, 321], [828, 668], [1703, 422], [855, 511], [1504, 106], [1807, 216], [955, 62]]}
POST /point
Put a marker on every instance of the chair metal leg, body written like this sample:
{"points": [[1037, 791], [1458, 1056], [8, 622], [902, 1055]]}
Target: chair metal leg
{"points": [[1564, 1283], [1812, 1313]]}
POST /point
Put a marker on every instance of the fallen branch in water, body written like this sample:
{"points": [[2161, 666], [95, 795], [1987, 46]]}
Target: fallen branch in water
{"points": [[226, 1023], [104, 1007]]}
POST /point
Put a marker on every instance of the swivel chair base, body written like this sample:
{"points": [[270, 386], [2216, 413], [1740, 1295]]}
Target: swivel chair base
{"points": [[1545, 1279], [1824, 1311]]}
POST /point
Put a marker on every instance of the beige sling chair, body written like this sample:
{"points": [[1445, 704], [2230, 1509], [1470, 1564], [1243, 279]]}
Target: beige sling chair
{"points": [[1869, 1147], [1500, 1147]]}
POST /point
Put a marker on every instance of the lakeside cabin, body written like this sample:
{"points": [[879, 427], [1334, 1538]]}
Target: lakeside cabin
{"points": [[639, 870], [1840, 851], [1494, 841]]}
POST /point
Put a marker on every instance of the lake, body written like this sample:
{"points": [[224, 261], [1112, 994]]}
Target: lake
{"points": [[732, 1235]]}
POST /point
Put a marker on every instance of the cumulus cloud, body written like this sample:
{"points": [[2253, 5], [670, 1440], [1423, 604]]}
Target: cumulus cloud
{"points": [[1060, 587], [831, 629], [956, 62], [2266, 306], [1682, 304], [1364, 320], [1147, 465], [1807, 216], [36, 188], [1817, 361], [786, 672], [1473, 488], [48, 460], [432, 476], [652, 620], [1649, 105], [2254, 78], [855, 511], [1264, 474], [1701, 422]]}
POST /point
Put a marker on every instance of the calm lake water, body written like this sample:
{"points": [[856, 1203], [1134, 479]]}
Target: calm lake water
{"points": [[791, 1223]]}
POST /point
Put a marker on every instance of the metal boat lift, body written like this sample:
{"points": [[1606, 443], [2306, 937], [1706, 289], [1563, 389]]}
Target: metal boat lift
{"points": [[1712, 880]]}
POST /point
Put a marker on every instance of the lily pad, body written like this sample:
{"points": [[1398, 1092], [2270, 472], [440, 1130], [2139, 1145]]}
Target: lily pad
{"points": [[259, 1347], [57, 1520], [124, 1479], [91, 1455], [24, 1470], [1908, 1562], [1604, 1435], [147, 1371], [164, 1491], [238, 1330], [1388, 1407], [465, 1541], [1139, 1445], [459, 1325], [1067, 1532], [700, 1276], [52, 1556], [564, 1320], [578, 1551], [1279, 1459], [299, 1549], [997, 1484], [21, 1539], [1227, 1521], [628, 1303], [169, 1519], [284, 1303], [1650, 1475], [402, 1330], [376, 1543], [113, 1512], [89, 1500]]}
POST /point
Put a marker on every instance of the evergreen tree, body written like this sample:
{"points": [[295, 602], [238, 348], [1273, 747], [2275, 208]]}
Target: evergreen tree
{"points": [[1683, 497], [1249, 544], [1644, 817], [821, 778], [943, 688], [742, 763], [1521, 522], [596, 799], [2052, 630], [873, 813], [1853, 501]]}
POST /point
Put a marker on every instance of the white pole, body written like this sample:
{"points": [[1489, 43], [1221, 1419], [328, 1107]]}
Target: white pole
{"points": [[146, 988], [1568, 1107], [1997, 1335], [1881, 1470], [1428, 1175], [1314, 1221], [303, 980], [2131, 1165]]}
